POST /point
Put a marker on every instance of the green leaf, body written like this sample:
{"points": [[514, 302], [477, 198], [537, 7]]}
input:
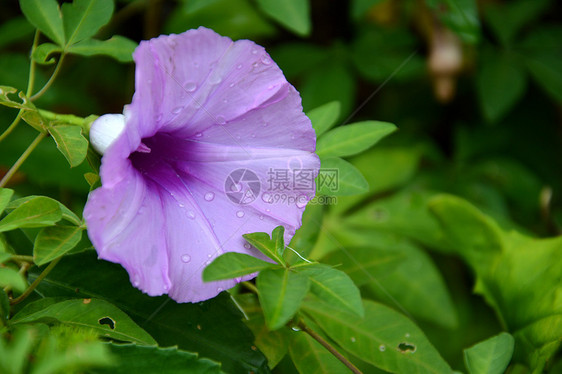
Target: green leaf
{"points": [[304, 239], [273, 344], [474, 235], [36, 212], [281, 292], [383, 338], [117, 47], [156, 360], [293, 14], [196, 327], [42, 53], [338, 177], [46, 16], [5, 196], [384, 264], [360, 7], [67, 214], [232, 265], [10, 277], [324, 117], [310, 357], [329, 81], [4, 306], [265, 245], [501, 83], [55, 241], [490, 356], [507, 19], [30, 113], [461, 16], [277, 237], [83, 18], [98, 315], [70, 142], [351, 139], [334, 287], [363, 264]]}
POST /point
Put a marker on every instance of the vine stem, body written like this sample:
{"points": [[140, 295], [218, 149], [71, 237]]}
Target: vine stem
{"points": [[66, 118], [22, 258], [30, 83], [22, 158], [313, 334], [50, 81], [36, 282]]}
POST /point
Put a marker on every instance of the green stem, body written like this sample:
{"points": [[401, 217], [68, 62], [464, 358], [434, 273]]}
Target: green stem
{"points": [[66, 118], [22, 258], [50, 81], [313, 334], [30, 83], [22, 158], [36, 282], [251, 287]]}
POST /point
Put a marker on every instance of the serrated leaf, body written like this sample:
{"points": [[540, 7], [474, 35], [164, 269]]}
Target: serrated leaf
{"points": [[501, 83], [333, 287], [42, 53], [55, 241], [490, 356], [383, 338], [324, 117], [46, 16], [351, 139], [70, 142], [99, 315], [36, 212], [5, 196], [281, 292], [338, 177], [232, 265], [310, 357], [117, 47], [11, 278], [265, 245], [293, 14], [156, 360], [83, 18]]}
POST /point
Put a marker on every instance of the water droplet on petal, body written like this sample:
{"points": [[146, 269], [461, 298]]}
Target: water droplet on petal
{"points": [[209, 196], [198, 135], [247, 246], [239, 66], [382, 348], [185, 258], [268, 210], [219, 289], [266, 197], [225, 101], [255, 64], [215, 79], [177, 110], [302, 200], [240, 214], [221, 120], [182, 205], [158, 118], [231, 85], [253, 135], [191, 214], [166, 287], [207, 263], [261, 216], [265, 59], [190, 86], [254, 51], [265, 124]]}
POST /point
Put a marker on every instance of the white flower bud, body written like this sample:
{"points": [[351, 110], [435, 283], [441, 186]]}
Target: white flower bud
{"points": [[105, 130]]}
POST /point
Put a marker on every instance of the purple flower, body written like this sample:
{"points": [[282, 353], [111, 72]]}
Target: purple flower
{"points": [[214, 145]]}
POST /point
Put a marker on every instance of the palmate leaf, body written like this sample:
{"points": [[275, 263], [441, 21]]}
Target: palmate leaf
{"points": [[348, 180], [272, 248], [293, 14], [195, 327], [98, 315], [46, 16], [383, 338], [83, 18], [324, 117]]}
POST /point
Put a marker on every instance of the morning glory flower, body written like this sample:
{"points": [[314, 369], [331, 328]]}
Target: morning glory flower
{"points": [[214, 145]]}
